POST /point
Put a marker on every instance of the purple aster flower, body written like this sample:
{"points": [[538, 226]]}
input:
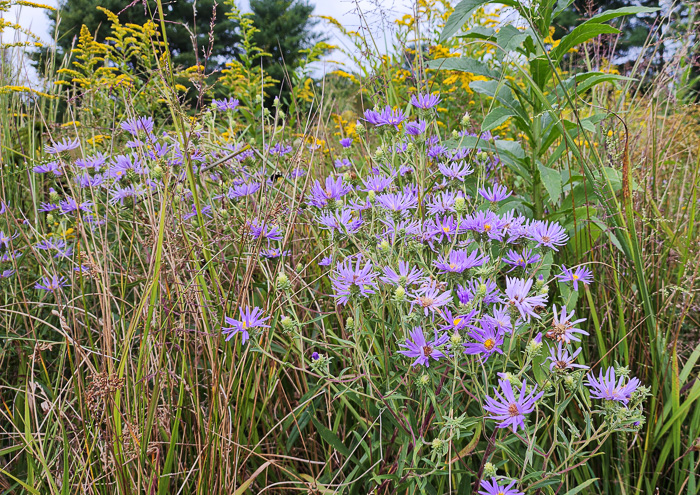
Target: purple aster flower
{"points": [[549, 234], [459, 260], [122, 165], [226, 104], [241, 190], [457, 322], [418, 347], [425, 102], [376, 183], [415, 128], [6, 239], [517, 290], [206, 211], [342, 162], [493, 488], [387, 116], [501, 318], [495, 194], [95, 161], [486, 223], [297, 172], [455, 170], [407, 275], [436, 150], [578, 274], [562, 360], [515, 259], [273, 253], [86, 180], [315, 356], [514, 227], [484, 290], [609, 387], [264, 230], [59, 245], [487, 340], [69, 205], [334, 190], [398, 229], [431, 299], [7, 273], [280, 149], [344, 220], [350, 279], [120, 194], [442, 202], [250, 318], [509, 410], [346, 142], [54, 167], [444, 228], [137, 125], [327, 261], [61, 146], [563, 326], [398, 202], [51, 284]]}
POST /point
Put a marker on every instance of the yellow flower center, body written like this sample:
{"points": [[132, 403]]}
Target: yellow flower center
{"points": [[487, 227], [575, 277], [489, 343], [456, 321], [445, 229]]}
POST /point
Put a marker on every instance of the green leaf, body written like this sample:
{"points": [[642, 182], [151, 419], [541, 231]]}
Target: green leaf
{"points": [[583, 485], [578, 35], [510, 38], [331, 438], [496, 117], [552, 182], [244, 486], [612, 14], [463, 11], [463, 64]]}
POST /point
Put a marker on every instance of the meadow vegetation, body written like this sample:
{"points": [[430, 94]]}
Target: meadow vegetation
{"points": [[468, 262]]}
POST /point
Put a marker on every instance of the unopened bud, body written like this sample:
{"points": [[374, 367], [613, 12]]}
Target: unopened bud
{"points": [[489, 470]]}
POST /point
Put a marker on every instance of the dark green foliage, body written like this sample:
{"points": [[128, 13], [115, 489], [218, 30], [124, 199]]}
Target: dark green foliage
{"points": [[186, 20], [285, 28]]}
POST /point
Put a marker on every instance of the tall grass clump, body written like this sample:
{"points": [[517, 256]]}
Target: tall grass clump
{"points": [[463, 267]]}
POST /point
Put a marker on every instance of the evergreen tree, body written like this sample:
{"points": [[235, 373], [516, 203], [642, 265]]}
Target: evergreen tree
{"points": [[185, 19], [286, 28]]}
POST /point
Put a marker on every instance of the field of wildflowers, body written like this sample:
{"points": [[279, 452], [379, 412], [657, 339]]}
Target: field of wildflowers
{"points": [[458, 267]]}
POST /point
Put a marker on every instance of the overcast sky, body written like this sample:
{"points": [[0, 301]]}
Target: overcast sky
{"points": [[344, 11]]}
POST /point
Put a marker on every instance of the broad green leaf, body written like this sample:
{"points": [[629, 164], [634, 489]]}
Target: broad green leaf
{"points": [[509, 38], [479, 32], [496, 117], [578, 35], [462, 13], [463, 64], [612, 14], [552, 182]]}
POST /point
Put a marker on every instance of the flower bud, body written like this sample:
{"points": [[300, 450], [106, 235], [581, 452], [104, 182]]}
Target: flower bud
{"points": [[53, 195], [379, 153], [483, 156], [299, 268], [489, 470], [287, 323], [535, 345], [455, 134], [360, 128], [410, 148], [350, 323], [276, 101], [465, 119], [384, 245], [282, 281], [157, 172], [399, 294], [371, 196], [460, 204], [456, 339], [424, 380]]}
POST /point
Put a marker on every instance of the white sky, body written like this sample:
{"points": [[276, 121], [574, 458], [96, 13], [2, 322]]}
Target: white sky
{"points": [[344, 11]]}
